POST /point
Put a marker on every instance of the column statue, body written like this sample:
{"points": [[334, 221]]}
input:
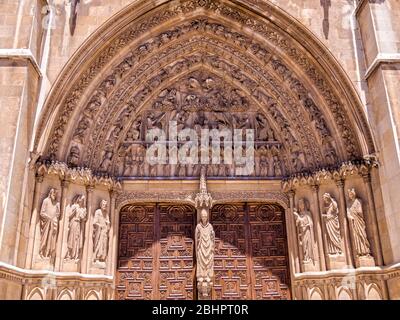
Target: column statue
{"points": [[332, 224], [101, 226], [49, 217], [305, 229], [205, 240], [75, 236], [357, 225]]}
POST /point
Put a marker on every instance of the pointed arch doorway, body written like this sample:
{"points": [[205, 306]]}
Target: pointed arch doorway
{"points": [[156, 256]]}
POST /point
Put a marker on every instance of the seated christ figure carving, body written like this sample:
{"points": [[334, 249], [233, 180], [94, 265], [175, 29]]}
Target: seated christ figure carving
{"points": [[205, 241]]}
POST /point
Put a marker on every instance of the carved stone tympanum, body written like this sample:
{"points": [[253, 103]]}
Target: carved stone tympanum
{"points": [[75, 230], [357, 225], [101, 226], [332, 224], [49, 217], [305, 229]]}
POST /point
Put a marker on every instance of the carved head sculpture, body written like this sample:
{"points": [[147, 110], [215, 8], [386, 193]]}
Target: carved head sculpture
{"points": [[304, 205], [327, 198], [81, 201], [204, 216], [53, 194], [103, 205], [352, 193]]}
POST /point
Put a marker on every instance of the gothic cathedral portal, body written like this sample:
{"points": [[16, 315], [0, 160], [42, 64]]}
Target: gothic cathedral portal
{"points": [[112, 118]]}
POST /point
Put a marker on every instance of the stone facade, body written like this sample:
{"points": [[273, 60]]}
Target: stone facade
{"points": [[81, 83]]}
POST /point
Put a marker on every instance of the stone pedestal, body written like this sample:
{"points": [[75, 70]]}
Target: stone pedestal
{"points": [[365, 261], [309, 266], [337, 261]]}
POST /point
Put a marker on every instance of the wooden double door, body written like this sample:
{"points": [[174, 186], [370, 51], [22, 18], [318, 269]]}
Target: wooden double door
{"points": [[157, 256]]}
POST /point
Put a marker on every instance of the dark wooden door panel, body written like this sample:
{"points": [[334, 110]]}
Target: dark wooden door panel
{"points": [[230, 261], [157, 258], [268, 251], [136, 258], [176, 252]]}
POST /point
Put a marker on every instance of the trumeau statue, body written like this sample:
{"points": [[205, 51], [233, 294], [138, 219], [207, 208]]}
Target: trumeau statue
{"points": [[332, 225], [305, 229], [75, 230], [101, 226], [205, 241], [357, 225], [49, 217]]}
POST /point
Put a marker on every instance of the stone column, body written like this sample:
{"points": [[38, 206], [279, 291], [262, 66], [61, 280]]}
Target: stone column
{"points": [[34, 220], [292, 234], [323, 260], [373, 221], [344, 227], [87, 235], [380, 35], [60, 237], [112, 235]]}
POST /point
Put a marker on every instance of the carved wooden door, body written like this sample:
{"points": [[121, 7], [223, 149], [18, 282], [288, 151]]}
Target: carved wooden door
{"points": [[251, 257], [156, 252]]}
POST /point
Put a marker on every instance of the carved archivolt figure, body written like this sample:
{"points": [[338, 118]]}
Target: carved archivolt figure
{"points": [[205, 242], [49, 216], [332, 225], [305, 229], [75, 236], [101, 226], [357, 225]]}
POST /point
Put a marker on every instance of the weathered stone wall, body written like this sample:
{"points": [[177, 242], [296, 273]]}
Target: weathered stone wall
{"points": [[19, 85]]}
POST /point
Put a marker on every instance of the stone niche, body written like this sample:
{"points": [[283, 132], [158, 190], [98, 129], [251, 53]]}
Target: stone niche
{"points": [[343, 218], [72, 222]]}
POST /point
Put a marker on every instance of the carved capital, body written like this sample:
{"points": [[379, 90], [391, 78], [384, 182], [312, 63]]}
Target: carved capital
{"points": [[90, 188], [315, 188], [65, 184], [367, 177], [113, 194], [339, 182], [39, 178]]}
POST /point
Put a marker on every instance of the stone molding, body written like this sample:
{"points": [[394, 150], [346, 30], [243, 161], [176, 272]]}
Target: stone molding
{"points": [[21, 54]]}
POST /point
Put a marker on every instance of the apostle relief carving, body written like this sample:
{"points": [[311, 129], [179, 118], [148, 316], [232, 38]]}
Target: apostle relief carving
{"points": [[49, 218], [101, 226], [355, 216], [332, 224], [75, 228], [305, 229]]}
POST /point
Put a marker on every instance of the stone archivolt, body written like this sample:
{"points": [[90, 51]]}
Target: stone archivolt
{"points": [[260, 62]]}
